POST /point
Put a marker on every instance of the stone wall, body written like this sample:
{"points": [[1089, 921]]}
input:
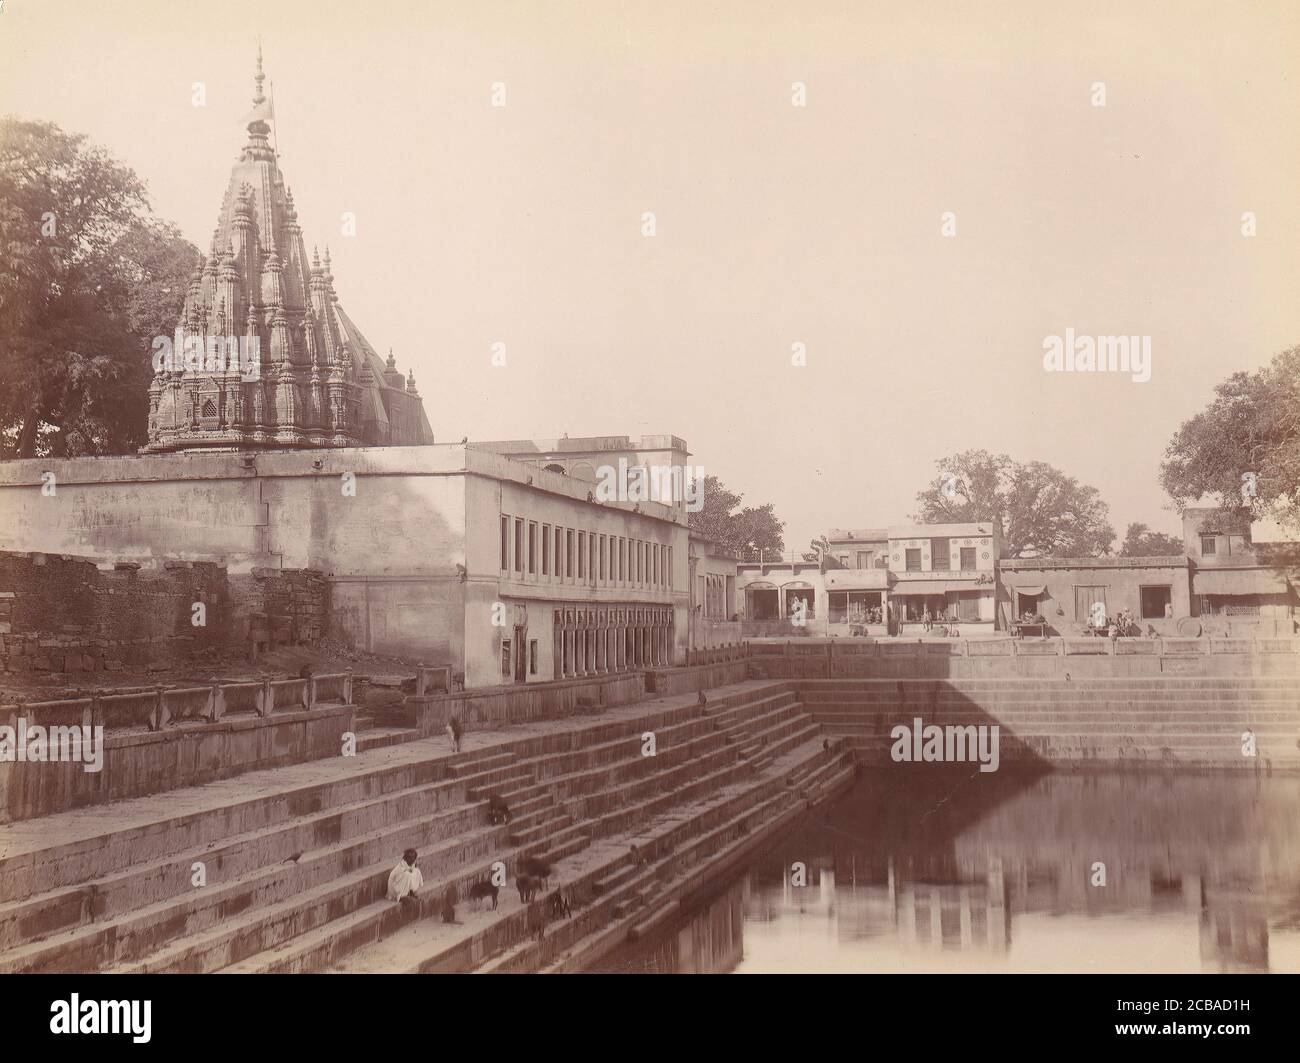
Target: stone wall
{"points": [[408, 537], [498, 706], [156, 739], [148, 762], [1021, 658], [64, 614]]}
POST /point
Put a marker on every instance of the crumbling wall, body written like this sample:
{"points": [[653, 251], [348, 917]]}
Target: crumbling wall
{"points": [[67, 614]]}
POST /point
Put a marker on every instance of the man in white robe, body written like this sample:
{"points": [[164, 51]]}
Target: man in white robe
{"points": [[405, 879]]}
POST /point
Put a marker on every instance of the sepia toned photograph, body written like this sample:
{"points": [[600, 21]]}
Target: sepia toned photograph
{"points": [[607, 488]]}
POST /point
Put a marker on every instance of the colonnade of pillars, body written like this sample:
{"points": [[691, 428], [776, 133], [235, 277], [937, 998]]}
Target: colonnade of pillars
{"points": [[600, 641]]}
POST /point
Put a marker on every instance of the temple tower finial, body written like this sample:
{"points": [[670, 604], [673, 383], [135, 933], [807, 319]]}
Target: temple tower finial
{"points": [[259, 77]]}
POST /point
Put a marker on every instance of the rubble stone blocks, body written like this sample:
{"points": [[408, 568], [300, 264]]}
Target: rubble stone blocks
{"points": [[68, 614]]}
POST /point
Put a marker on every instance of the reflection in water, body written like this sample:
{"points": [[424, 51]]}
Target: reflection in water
{"points": [[936, 870]]}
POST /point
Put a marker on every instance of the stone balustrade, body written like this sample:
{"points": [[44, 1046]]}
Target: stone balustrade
{"points": [[156, 708]]}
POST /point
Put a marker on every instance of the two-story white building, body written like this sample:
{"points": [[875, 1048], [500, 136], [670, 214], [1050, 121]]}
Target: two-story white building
{"points": [[946, 570], [878, 581]]}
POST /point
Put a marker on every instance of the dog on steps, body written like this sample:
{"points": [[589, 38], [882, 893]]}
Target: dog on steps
{"points": [[481, 891], [449, 905], [558, 907], [498, 811], [536, 867], [528, 887]]}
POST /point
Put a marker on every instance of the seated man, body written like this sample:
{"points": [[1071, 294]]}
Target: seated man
{"points": [[405, 879]]}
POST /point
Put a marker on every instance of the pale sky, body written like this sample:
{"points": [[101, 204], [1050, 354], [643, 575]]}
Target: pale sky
{"points": [[775, 224]]}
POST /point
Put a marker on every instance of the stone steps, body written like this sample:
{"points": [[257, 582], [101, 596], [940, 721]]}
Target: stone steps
{"points": [[1157, 720], [64, 909], [326, 921], [1070, 750], [218, 911], [552, 823], [612, 776], [502, 782], [1208, 699], [657, 890], [1007, 682], [1108, 725], [1052, 708], [383, 737], [668, 845], [373, 924], [64, 887]]}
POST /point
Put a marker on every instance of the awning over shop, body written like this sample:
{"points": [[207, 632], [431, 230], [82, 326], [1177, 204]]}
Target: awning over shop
{"points": [[857, 580], [1029, 588], [938, 587], [1239, 581]]}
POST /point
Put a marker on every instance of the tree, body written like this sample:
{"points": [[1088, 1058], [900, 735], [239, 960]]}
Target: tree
{"points": [[81, 268], [819, 550], [1243, 449], [1043, 512], [742, 531], [1141, 541]]}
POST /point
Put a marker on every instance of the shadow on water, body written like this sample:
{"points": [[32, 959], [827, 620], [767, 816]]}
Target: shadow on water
{"points": [[933, 868]]}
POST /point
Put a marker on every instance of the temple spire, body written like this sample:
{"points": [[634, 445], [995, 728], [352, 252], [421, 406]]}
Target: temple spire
{"points": [[313, 386]]}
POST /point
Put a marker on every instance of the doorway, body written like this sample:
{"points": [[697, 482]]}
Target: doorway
{"points": [[520, 662]]}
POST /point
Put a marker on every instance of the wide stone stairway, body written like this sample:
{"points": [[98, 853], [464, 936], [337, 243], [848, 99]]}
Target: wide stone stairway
{"points": [[1168, 720], [286, 870]]}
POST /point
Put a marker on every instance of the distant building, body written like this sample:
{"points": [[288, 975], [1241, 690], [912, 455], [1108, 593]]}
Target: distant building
{"points": [[949, 570], [1240, 585], [879, 581], [884, 581], [1223, 584], [653, 468], [1065, 591], [712, 612]]}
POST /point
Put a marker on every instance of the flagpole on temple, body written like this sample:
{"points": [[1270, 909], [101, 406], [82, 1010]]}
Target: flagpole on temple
{"points": [[275, 134]]}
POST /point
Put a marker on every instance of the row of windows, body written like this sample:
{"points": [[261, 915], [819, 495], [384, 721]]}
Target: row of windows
{"points": [[509, 668], [531, 550], [715, 595], [940, 551], [1210, 544], [942, 562]]}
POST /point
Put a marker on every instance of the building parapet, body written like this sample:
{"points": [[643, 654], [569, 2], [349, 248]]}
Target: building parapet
{"points": [[1029, 564], [1012, 647], [434, 459]]}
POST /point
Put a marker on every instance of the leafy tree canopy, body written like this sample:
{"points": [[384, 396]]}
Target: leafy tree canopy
{"points": [[1043, 512], [1141, 541], [743, 530], [1243, 449], [87, 279]]}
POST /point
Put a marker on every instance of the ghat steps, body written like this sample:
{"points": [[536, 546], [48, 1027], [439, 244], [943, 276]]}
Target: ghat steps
{"points": [[1168, 721], [295, 876]]}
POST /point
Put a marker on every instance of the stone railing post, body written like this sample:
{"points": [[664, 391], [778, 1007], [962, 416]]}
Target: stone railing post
{"points": [[160, 713], [309, 693], [216, 702], [347, 687], [265, 698], [421, 680]]}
